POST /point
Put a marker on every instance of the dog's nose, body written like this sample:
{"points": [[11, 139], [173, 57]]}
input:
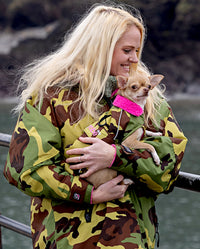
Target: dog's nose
{"points": [[146, 90]]}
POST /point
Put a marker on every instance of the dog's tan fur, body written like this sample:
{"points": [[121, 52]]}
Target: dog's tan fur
{"points": [[137, 90]]}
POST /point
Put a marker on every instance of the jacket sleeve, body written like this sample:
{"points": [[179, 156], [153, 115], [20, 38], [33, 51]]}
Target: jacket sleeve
{"points": [[35, 164], [138, 164], [170, 148]]}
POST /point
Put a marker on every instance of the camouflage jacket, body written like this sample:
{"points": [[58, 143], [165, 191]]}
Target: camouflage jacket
{"points": [[61, 213]]}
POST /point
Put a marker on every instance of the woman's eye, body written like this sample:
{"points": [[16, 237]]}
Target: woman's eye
{"points": [[127, 51]]}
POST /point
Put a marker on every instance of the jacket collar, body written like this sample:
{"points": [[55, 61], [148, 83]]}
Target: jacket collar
{"points": [[128, 105]]}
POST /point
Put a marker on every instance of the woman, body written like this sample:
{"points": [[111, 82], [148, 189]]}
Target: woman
{"points": [[66, 91]]}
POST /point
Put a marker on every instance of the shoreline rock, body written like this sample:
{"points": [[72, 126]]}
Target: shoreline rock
{"points": [[10, 40], [172, 47]]}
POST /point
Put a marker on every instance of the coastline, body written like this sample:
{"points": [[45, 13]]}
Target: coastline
{"points": [[9, 100], [182, 96]]}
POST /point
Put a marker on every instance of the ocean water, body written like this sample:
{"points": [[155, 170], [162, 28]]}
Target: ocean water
{"points": [[13, 203], [178, 212]]}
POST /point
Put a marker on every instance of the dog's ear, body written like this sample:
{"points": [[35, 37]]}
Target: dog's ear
{"points": [[122, 82], [155, 79]]}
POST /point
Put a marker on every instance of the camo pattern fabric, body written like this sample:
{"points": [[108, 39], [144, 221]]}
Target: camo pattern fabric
{"points": [[113, 127], [61, 213]]}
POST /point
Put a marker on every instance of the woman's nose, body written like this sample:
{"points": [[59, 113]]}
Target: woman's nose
{"points": [[133, 58]]}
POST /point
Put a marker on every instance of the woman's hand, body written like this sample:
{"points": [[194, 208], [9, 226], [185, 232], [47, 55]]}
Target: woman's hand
{"points": [[97, 156], [109, 191]]}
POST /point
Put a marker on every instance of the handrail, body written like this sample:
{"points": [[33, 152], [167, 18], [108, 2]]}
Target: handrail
{"points": [[188, 181], [185, 180], [6, 222], [15, 226], [5, 139]]}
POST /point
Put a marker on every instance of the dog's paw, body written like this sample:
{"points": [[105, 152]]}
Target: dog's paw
{"points": [[127, 181], [158, 134], [156, 159], [153, 134]]}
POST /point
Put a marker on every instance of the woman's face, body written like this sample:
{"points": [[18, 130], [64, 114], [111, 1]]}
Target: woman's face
{"points": [[125, 52]]}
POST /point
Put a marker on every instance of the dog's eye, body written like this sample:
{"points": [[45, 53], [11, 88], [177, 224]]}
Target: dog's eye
{"points": [[134, 87], [149, 86]]}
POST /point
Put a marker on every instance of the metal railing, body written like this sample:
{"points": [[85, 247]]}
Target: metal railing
{"points": [[15, 226], [185, 181], [6, 222]]}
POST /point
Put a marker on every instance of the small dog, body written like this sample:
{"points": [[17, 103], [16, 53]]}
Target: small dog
{"points": [[137, 90]]}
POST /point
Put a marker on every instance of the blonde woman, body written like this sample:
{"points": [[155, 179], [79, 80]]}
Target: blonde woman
{"points": [[64, 93]]}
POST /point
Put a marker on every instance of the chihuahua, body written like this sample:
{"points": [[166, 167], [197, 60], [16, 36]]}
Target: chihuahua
{"points": [[137, 90]]}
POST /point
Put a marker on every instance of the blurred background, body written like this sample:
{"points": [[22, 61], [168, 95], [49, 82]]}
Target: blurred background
{"points": [[32, 28]]}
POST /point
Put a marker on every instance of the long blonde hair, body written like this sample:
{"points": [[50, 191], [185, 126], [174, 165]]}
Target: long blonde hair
{"points": [[84, 58]]}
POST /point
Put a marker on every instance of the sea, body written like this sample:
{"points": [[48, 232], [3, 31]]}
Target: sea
{"points": [[178, 212]]}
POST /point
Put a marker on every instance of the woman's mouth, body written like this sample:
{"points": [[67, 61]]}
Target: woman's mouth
{"points": [[126, 68]]}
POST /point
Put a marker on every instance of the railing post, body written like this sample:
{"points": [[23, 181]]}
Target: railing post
{"points": [[1, 246], [188, 181], [15, 226], [185, 181], [5, 139]]}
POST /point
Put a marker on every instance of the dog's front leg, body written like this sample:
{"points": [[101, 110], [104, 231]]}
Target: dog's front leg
{"points": [[153, 134]]}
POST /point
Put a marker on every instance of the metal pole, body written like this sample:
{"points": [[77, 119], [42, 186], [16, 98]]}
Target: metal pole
{"points": [[1, 246], [185, 180], [15, 226], [5, 139], [188, 181]]}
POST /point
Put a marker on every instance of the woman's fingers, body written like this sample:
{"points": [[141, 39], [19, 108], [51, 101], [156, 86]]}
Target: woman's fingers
{"points": [[117, 179], [97, 156], [89, 170], [77, 151], [81, 151], [110, 190], [76, 159], [89, 140]]}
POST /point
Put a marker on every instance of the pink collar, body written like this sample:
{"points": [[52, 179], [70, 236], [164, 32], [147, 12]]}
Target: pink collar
{"points": [[128, 105]]}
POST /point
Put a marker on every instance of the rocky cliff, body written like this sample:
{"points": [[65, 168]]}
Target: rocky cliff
{"points": [[32, 28]]}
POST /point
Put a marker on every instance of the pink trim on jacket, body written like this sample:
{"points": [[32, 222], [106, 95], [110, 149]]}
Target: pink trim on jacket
{"points": [[128, 105]]}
